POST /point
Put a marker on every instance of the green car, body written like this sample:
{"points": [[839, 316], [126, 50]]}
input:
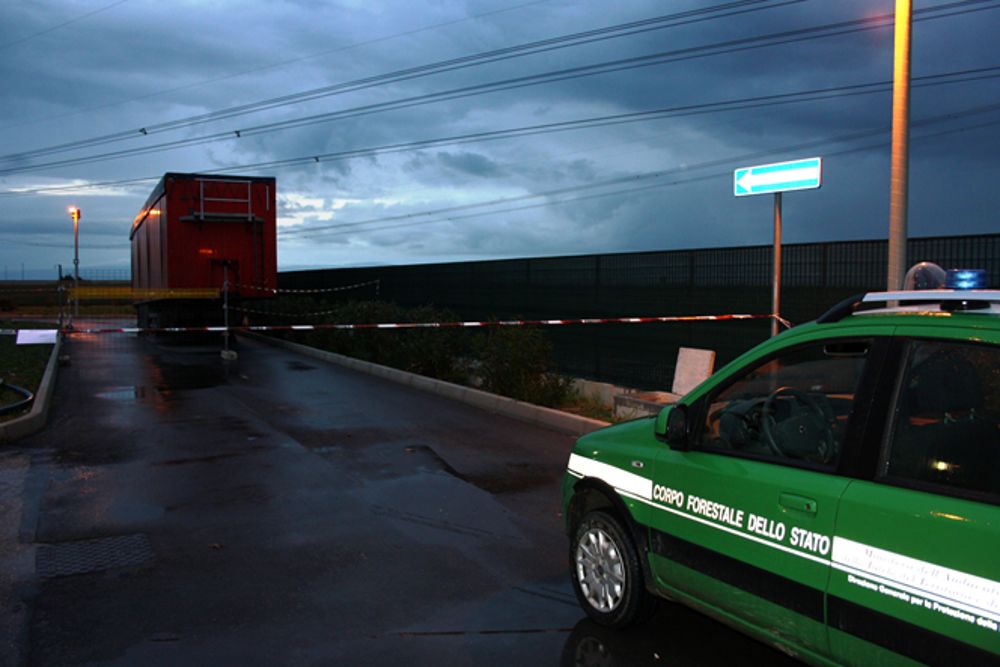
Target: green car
{"points": [[833, 492]]}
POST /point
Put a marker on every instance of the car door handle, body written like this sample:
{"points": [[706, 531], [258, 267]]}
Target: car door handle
{"points": [[794, 501]]}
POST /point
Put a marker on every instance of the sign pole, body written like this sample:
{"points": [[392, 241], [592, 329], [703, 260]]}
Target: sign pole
{"points": [[776, 279], [774, 179]]}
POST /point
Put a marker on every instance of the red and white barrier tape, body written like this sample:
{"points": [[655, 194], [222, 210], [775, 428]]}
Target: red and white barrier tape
{"points": [[435, 325], [325, 290]]}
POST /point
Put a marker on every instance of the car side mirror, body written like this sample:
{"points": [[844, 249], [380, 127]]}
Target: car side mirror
{"points": [[672, 426]]}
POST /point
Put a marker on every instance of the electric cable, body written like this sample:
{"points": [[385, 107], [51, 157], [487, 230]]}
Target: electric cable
{"points": [[961, 76], [732, 46], [635, 190], [38, 244], [343, 228], [634, 117], [60, 25], [277, 65], [575, 39]]}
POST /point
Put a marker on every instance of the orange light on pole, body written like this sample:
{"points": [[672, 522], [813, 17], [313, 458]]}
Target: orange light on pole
{"points": [[74, 213]]}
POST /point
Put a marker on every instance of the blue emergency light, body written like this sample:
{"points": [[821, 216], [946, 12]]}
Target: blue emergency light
{"points": [[963, 279]]}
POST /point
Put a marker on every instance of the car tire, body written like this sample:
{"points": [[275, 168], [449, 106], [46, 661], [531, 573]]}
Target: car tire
{"points": [[606, 572]]}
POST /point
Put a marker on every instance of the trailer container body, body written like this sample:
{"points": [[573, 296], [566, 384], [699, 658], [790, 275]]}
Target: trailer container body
{"points": [[203, 232]]}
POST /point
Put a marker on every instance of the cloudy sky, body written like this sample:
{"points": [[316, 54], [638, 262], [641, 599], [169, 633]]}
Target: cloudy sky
{"points": [[411, 131]]}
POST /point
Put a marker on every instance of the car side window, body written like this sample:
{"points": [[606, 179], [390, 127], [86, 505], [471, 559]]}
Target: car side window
{"points": [[946, 422], [793, 407]]}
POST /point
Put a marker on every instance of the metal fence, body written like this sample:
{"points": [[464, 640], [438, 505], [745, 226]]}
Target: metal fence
{"points": [[674, 282]]}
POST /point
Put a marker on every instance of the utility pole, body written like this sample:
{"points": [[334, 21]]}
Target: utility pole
{"points": [[899, 176], [74, 213]]}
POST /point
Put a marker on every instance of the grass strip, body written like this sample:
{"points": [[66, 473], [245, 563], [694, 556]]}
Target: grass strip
{"points": [[21, 365]]}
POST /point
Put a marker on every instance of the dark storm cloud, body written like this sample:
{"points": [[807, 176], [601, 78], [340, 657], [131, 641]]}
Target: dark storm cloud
{"points": [[472, 164]]}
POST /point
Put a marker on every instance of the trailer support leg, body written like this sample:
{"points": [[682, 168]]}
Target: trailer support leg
{"points": [[227, 354]]}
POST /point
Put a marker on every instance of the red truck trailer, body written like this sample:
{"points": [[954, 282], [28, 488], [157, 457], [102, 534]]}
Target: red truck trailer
{"points": [[201, 240]]}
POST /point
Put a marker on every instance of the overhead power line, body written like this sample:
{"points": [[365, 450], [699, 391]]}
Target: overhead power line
{"points": [[64, 244], [730, 46], [943, 78], [775, 99], [4, 47], [746, 157], [348, 228], [73, 187], [530, 48], [642, 178], [281, 63]]}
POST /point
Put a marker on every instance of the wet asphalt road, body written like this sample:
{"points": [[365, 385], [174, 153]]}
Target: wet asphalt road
{"points": [[278, 510]]}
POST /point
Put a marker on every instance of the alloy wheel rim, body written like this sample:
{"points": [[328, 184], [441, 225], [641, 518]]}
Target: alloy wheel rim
{"points": [[600, 570]]}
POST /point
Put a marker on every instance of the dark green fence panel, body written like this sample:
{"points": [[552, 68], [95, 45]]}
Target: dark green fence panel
{"points": [[671, 282]]}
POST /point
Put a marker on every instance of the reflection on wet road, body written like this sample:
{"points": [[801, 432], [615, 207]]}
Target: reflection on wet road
{"points": [[282, 511], [673, 636]]}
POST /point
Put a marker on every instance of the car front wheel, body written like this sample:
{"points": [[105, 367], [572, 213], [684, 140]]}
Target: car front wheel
{"points": [[607, 575]]}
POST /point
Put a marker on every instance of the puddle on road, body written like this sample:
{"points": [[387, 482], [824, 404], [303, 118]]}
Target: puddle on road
{"points": [[235, 497], [165, 378], [428, 460], [299, 366], [512, 478], [375, 455], [182, 377], [129, 394], [440, 509], [426, 497], [212, 458], [385, 454], [93, 453]]}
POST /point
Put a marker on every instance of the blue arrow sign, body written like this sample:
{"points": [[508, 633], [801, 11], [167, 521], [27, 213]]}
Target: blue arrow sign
{"points": [[778, 177]]}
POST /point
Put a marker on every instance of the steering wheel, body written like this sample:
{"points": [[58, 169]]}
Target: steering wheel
{"points": [[809, 425]]}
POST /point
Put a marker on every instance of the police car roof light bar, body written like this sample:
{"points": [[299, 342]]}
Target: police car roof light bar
{"points": [[947, 299], [966, 279], [938, 295]]}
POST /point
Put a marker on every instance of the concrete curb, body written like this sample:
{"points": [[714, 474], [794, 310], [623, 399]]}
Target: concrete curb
{"points": [[526, 412], [35, 420]]}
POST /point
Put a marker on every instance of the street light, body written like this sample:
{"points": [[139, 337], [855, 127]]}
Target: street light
{"points": [[899, 174], [74, 213]]}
